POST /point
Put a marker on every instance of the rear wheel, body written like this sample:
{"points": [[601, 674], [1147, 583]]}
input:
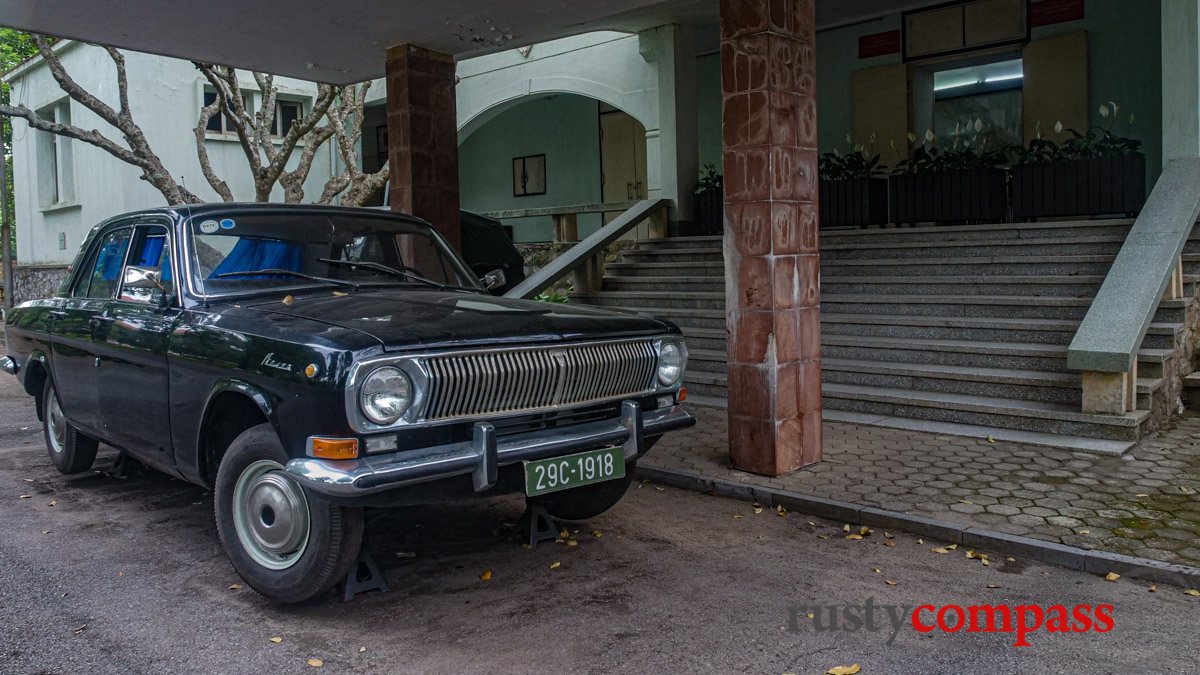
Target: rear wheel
{"points": [[70, 451], [587, 501], [285, 546]]}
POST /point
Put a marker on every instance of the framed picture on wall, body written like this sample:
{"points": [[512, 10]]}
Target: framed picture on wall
{"points": [[529, 175]]}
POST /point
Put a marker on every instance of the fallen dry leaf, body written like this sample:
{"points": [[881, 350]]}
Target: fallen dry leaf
{"points": [[951, 546], [736, 517], [597, 533], [288, 301], [854, 537], [572, 542], [80, 629], [843, 670], [27, 480], [564, 533], [889, 535], [235, 587], [864, 531], [1152, 589], [991, 440], [24, 497], [985, 562], [554, 565], [339, 294], [964, 501], [54, 502], [889, 543], [1141, 494], [939, 549], [877, 570], [758, 509], [971, 553], [1011, 559], [846, 527], [920, 541], [315, 663], [276, 640], [994, 586], [890, 583], [405, 554], [1085, 532], [812, 523], [362, 649], [486, 575], [1112, 576], [821, 536], [45, 531], [1192, 591], [528, 546]]}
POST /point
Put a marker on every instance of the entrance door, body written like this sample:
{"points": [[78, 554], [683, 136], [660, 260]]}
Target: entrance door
{"points": [[622, 159]]}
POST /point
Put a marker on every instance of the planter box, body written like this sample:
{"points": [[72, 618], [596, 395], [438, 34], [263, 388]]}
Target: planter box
{"points": [[949, 196], [708, 214], [854, 202], [1080, 187]]}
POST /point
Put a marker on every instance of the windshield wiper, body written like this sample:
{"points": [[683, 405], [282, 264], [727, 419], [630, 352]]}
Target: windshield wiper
{"points": [[285, 273], [395, 272]]}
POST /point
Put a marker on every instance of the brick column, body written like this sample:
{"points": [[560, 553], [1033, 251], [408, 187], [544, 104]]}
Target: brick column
{"points": [[769, 133], [423, 137]]}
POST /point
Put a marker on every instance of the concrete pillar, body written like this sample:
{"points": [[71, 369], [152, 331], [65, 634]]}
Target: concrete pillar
{"points": [[423, 137], [769, 135], [1180, 79], [672, 158]]}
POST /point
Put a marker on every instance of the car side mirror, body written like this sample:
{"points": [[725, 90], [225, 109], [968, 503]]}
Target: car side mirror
{"points": [[142, 278], [494, 279]]}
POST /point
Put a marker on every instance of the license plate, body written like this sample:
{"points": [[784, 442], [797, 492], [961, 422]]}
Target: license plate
{"points": [[564, 473]]}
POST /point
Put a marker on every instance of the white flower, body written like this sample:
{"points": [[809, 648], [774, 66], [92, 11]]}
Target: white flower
{"points": [[929, 135], [912, 138], [1058, 127], [1103, 110], [849, 139], [1130, 118], [978, 124], [872, 139], [1113, 105]]}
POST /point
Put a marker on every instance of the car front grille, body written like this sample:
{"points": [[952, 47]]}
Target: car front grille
{"points": [[469, 384]]}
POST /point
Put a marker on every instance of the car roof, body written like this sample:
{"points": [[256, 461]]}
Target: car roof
{"points": [[216, 208]]}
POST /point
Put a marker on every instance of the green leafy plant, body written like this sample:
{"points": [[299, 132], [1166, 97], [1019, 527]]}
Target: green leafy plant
{"points": [[1098, 141], [710, 180], [553, 296], [860, 162], [972, 153]]}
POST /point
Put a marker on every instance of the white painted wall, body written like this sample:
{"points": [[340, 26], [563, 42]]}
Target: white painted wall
{"points": [[165, 96]]}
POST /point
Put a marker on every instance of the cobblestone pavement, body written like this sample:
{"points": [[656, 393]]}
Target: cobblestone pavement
{"points": [[1146, 503]]}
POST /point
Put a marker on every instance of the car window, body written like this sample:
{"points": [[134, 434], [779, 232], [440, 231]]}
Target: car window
{"points": [[105, 269], [150, 250]]}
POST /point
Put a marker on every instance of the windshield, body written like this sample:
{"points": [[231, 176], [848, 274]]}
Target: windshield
{"points": [[249, 252]]}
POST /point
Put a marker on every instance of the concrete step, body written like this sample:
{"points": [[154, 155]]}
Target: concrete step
{"points": [[713, 241], [713, 385], [667, 255], [1040, 230], [991, 411], [1007, 265], [666, 283], [666, 269], [658, 300], [1038, 307]]}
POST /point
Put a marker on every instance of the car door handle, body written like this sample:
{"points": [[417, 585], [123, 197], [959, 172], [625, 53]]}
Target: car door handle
{"points": [[55, 314], [95, 321]]}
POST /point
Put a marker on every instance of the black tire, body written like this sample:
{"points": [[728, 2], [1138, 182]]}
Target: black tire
{"points": [[334, 533], [589, 501], [70, 451]]}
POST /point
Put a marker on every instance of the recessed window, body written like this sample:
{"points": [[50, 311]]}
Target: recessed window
{"points": [[287, 113], [529, 175], [220, 123], [54, 159]]}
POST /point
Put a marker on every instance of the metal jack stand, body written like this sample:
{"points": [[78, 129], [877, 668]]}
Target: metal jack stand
{"points": [[372, 578], [537, 524]]}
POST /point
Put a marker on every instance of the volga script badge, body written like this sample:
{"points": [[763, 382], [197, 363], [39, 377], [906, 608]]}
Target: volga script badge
{"points": [[270, 362]]}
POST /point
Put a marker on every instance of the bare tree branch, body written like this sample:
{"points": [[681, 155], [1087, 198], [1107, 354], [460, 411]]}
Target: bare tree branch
{"points": [[206, 113]]}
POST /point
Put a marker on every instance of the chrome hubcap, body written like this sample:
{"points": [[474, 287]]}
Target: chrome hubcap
{"points": [[57, 423], [271, 515]]}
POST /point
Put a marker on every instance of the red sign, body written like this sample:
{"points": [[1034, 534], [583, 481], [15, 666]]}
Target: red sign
{"points": [[879, 44], [1048, 12]]}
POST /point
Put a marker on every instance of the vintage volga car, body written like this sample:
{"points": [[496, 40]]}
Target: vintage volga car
{"points": [[306, 362]]}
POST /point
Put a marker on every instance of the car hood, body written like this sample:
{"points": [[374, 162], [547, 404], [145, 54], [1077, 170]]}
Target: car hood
{"points": [[406, 318]]}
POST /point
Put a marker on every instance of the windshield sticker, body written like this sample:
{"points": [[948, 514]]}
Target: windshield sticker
{"points": [[227, 224], [209, 226]]}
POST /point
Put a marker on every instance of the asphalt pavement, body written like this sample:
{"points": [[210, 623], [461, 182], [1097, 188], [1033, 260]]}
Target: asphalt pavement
{"points": [[107, 575]]}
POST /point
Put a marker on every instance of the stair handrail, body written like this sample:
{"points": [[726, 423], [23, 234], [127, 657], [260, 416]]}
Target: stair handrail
{"points": [[1147, 268], [579, 254]]}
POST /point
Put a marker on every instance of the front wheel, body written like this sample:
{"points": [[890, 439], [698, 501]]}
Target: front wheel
{"points": [[70, 451], [587, 501], [286, 547]]}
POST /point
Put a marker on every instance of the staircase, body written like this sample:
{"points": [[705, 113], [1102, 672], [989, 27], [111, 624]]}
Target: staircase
{"points": [[960, 330]]}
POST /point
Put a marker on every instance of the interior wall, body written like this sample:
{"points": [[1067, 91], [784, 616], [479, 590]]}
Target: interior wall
{"points": [[565, 128], [708, 110], [1125, 65]]}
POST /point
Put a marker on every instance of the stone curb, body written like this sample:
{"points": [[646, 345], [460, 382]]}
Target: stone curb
{"points": [[1096, 562]]}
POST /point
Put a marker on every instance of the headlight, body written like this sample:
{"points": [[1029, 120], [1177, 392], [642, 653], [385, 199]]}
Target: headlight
{"points": [[385, 395], [670, 364]]}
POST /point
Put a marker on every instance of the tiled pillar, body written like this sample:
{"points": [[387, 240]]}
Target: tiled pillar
{"points": [[423, 137], [769, 132]]}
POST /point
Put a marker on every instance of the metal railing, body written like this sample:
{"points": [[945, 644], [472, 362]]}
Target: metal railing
{"points": [[1147, 269], [585, 259]]}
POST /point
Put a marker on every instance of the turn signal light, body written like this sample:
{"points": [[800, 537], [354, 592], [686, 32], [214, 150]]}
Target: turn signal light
{"points": [[682, 394], [334, 448]]}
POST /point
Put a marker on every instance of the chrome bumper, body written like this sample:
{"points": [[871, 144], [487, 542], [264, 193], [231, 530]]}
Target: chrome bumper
{"points": [[9, 365], [484, 454]]}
